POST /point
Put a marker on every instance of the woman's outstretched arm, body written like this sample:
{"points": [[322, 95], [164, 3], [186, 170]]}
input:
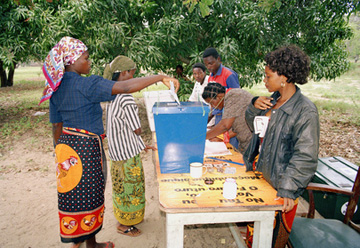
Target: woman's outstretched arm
{"points": [[136, 84]]}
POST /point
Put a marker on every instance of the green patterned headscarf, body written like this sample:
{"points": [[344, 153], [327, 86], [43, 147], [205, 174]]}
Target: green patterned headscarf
{"points": [[119, 64]]}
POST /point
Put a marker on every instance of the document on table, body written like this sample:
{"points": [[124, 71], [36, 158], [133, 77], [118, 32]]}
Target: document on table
{"points": [[216, 149]]}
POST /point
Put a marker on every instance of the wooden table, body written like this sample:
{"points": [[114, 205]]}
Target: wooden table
{"points": [[188, 201]]}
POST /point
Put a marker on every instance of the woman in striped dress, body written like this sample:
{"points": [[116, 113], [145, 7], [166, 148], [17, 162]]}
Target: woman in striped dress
{"points": [[125, 144]]}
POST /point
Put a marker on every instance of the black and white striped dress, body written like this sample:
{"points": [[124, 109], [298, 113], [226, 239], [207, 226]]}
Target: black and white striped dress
{"points": [[121, 122]]}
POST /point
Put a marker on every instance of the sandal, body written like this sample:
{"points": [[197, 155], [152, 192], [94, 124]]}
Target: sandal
{"points": [[109, 243], [132, 231]]}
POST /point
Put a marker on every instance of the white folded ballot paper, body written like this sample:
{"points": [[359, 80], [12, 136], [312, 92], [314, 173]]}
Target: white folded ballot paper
{"points": [[215, 149], [172, 92]]}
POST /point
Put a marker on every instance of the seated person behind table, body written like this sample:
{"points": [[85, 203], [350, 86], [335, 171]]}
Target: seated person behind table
{"points": [[179, 73], [202, 80], [222, 75], [219, 73], [234, 104]]}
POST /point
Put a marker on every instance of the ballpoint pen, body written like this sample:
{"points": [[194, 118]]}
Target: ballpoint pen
{"points": [[224, 160]]}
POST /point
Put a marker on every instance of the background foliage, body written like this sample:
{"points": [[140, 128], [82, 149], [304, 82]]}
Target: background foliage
{"points": [[158, 34], [353, 45], [23, 35]]}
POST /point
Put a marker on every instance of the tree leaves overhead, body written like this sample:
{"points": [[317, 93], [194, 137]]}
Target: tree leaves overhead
{"points": [[159, 35]]}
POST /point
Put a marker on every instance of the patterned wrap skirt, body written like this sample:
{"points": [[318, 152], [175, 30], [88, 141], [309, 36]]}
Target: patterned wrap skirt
{"points": [[80, 185], [128, 184]]}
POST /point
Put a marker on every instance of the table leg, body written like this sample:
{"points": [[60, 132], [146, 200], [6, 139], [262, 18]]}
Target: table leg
{"points": [[174, 231], [237, 236], [263, 225], [263, 231]]}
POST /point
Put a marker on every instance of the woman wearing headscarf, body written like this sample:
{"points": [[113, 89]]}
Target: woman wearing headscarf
{"points": [[76, 117], [123, 131]]}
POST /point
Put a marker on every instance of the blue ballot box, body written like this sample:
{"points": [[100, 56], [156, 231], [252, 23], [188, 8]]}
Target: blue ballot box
{"points": [[180, 134]]}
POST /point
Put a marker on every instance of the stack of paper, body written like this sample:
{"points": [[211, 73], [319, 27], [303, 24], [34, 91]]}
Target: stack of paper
{"points": [[216, 149]]}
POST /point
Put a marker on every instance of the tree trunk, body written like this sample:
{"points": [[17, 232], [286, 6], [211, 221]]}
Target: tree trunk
{"points": [[10, 81], [7, 80], [184, 60], [3, 75]]}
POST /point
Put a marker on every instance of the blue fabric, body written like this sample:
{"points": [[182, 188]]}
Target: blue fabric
{"points": [[233, 80], [230, 76], [234, 142], [218, 115], [77, 102]]}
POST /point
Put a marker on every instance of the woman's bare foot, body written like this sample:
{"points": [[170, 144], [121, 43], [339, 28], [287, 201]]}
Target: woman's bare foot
{"points": [[77, 245], [105, 245], [91, 243]]}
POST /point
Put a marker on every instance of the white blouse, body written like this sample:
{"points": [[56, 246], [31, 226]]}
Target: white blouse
{"points": [[198, 90]]}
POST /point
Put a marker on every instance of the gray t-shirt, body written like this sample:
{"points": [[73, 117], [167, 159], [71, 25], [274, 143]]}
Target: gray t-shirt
{"points": [[235, 104]]}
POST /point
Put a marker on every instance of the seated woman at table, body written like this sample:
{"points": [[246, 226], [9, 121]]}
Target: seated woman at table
{"points": [[234, 104], [286, 150]]}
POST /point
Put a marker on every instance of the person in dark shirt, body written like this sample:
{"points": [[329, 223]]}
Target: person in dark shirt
{"points": [[285, 142], [76, 117]]}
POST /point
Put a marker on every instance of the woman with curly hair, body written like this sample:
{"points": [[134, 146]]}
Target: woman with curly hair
{"points": [[285, 142]]}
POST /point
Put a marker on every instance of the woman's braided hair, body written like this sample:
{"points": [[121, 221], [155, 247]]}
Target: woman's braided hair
{"points": [[212, 90]]}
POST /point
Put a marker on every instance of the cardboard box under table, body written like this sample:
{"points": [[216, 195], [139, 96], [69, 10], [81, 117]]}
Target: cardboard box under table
{"points": [[338, 172], [188, 201], [180, 132]]}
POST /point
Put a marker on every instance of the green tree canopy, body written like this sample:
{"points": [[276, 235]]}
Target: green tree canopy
{"points": [[159, 34], [24, 34]]}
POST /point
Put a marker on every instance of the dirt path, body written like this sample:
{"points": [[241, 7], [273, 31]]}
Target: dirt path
{"points": [[28, 210]]}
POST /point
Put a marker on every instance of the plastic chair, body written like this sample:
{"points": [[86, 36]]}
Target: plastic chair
{"points": [[328, 233]]}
